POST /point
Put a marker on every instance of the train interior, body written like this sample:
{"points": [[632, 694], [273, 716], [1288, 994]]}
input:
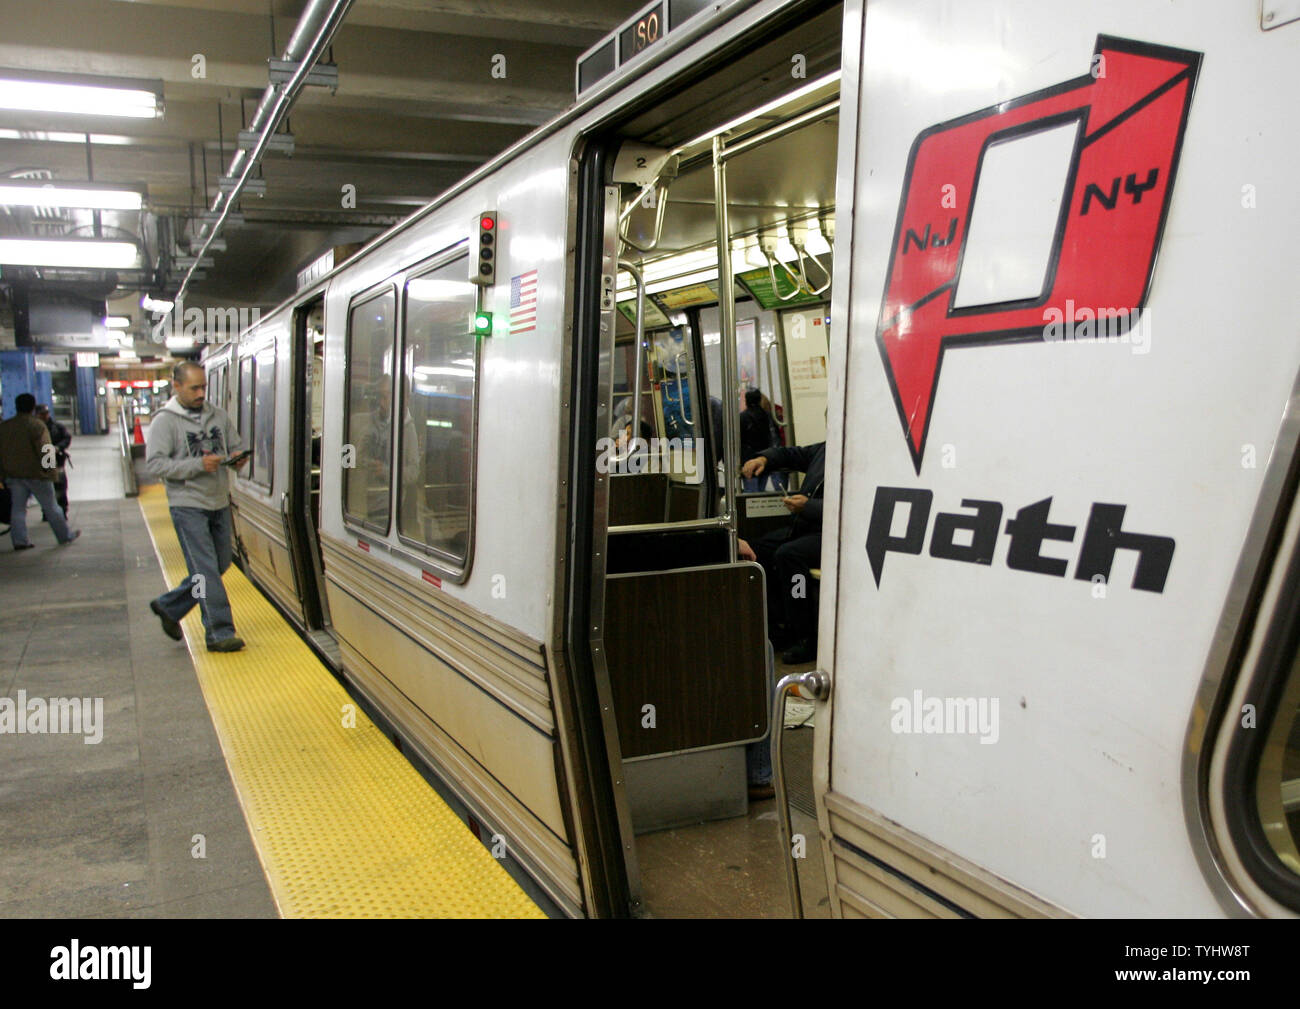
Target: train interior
{"points": [[684, 635]]}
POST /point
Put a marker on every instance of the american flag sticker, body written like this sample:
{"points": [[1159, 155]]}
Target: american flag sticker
{"points": [[523, 302]]}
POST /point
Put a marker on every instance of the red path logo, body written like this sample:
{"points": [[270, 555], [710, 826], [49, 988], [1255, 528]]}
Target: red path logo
{"points": [[1130, 120]]}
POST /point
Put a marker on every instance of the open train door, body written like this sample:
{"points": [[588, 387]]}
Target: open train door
{"points": [[1062, 463]]}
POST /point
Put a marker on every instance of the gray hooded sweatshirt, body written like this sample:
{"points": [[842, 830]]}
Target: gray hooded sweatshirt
{"points": [[178, 438]]}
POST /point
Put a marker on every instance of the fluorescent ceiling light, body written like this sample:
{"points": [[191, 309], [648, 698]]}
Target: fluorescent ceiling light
{"points": [[18, 194], [84, 252], [64, 137], [180, 343], [127, 355], [159, 307], [770, 107], [117, 322], [81, 99]]}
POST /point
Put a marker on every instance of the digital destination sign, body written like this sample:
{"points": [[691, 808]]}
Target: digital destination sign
{"points": [[634, 37]]}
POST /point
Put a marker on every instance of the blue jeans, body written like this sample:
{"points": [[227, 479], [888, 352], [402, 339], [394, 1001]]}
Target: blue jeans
{"points": [[758, 755], [206, 542], [43, 491]]}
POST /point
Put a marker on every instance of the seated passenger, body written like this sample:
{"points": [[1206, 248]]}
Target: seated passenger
{"points": [[757, 434], [788, 555]]}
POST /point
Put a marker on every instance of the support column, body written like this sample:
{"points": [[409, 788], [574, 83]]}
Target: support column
{"points": [[87, 407], [17, 376]]}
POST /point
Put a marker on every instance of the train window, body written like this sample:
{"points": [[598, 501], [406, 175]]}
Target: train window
{"points": [[1260, 783], [264, 417], [439, 376], [1277, 786], [245, 419], [368, 413]]}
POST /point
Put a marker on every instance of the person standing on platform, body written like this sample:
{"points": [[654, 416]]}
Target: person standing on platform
{"points": [[27, 469], [61, 439], [190, 441]]}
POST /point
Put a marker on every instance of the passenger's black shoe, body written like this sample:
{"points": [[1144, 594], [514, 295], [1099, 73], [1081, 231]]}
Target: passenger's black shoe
{"points": [[75, 534], [25, 546], [170, 627], [226, 645], [804, 651], [757, 793], [780, 637]]}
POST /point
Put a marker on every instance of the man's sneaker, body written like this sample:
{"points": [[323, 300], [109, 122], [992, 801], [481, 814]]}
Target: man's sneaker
{"points": [[24, 546], [758, 793], [75, 534], [226, 645], [170, 627]]}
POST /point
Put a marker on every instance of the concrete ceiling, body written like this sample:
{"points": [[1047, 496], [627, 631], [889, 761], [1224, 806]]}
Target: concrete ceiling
{"points": [[417, 108]]}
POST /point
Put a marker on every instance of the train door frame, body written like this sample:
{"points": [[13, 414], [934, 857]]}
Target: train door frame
{"points": [[300, 529]]}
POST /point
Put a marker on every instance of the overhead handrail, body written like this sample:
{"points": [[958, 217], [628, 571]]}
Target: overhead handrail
{"points": [[681, 399], [661, 203], [772, 378], [639, 356], [800, 248]]}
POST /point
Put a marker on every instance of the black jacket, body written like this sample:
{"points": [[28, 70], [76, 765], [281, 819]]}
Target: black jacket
{"points": [[60, 438], [811, 460], [755, 432]]}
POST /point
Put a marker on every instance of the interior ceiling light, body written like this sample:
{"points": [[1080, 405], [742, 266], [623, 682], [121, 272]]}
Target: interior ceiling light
{"points": [[117, 322], [82, 196], [90, 253], [64, 137], [157, 306], [80, 95]]}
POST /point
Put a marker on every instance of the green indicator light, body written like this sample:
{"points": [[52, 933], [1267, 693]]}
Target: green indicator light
{"points": [[482, 322]]}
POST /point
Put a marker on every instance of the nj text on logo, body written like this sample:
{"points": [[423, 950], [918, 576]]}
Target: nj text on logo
{"points": [[58, 715], [75, 962]]}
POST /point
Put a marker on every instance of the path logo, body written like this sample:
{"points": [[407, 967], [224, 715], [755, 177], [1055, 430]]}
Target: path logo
{"points": [[1128, 123]]}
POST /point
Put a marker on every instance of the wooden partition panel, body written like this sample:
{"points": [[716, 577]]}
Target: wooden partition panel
{"points": [[684, 501], [692, 644], [637, 498]]}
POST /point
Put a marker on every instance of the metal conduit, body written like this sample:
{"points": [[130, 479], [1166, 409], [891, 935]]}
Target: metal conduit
{"points": [[312, 35]]}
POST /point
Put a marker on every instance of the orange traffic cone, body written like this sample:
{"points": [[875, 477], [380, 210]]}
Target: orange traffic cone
{"points": [[137, 435]]}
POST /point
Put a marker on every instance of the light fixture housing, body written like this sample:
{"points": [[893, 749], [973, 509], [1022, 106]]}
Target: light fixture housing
{"points": [[80, 94]]}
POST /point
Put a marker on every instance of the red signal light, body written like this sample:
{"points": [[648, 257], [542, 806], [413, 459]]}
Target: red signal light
{"points": [[486, 223]]}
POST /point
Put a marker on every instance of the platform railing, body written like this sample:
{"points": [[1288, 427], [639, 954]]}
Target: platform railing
{"points": [[125, 427]]}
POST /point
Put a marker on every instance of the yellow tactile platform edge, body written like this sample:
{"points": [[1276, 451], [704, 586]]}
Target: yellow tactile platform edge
{"points": [[343, 825]]}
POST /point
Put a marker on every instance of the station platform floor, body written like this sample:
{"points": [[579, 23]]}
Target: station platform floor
{"points": [[212, 785]]}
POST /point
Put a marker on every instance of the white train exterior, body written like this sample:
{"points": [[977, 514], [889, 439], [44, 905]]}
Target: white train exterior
{"points": [[1075, 548]]}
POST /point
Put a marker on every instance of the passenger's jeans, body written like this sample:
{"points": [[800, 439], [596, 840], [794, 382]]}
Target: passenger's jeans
{"points": [[43, 491], [206, 542], [758, 755]]}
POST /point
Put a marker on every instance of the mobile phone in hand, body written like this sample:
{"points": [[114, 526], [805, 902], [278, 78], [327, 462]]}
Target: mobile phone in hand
{"points": [[235, 460]]}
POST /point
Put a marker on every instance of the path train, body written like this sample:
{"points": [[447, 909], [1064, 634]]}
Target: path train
{"points": [[1059, 619]]}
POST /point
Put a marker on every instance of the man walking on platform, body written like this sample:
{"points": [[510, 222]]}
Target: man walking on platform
{"points": [[27, 469], [190, 446], [61, 439]]}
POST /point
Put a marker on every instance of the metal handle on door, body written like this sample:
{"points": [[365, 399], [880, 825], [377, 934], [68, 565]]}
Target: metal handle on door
{"points": [[816, 683]]}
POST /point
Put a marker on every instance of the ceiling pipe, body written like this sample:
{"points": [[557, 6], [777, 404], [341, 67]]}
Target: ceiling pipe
{"points": [[314, 32]]}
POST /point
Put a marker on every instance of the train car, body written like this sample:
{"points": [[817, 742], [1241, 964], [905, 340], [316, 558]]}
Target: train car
{"points": [[1022, 266]]}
